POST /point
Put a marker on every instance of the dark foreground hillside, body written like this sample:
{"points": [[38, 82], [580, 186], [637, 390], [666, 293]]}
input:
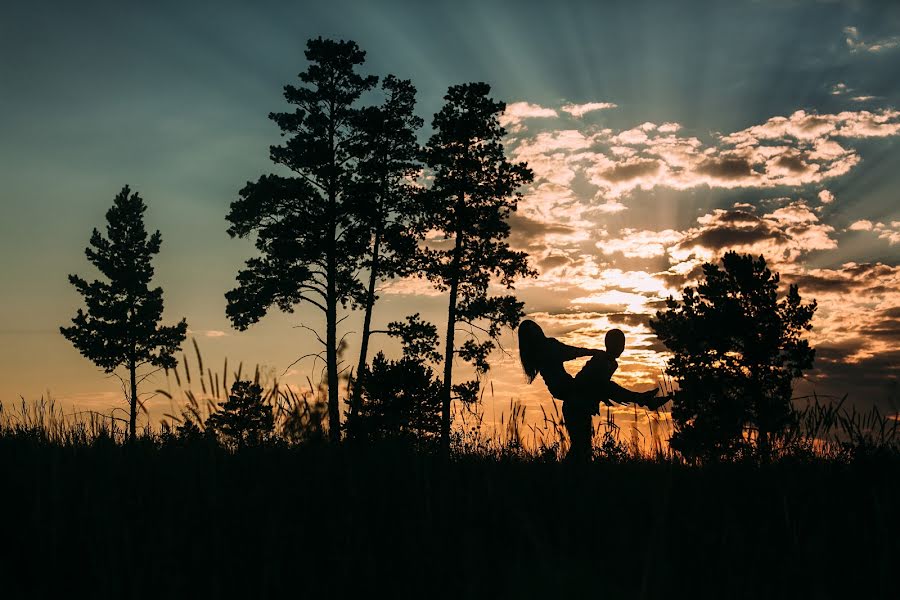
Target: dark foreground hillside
{"points": [[167, 522]]}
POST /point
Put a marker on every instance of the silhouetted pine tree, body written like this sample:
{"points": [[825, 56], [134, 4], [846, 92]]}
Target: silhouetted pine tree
{"points": [[307, 232], [401, 399], [387, 197], [473, 192], [121, 326], [245, 419], [736, 350]]}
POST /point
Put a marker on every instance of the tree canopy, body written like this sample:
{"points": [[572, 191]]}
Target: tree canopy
{"points": [[245, 419], [473, 192], [308, 232], [388, 199], [736, 349], [121, 327]]}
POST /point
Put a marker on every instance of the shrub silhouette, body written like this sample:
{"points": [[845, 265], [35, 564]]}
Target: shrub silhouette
{"points": [[245, 419], [736, 350], [400, 400]]}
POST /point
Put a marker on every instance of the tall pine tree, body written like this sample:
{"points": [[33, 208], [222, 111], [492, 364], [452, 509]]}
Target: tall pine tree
{"points": [[388, 198], [307, 230], [474, 190], [121, 326]]}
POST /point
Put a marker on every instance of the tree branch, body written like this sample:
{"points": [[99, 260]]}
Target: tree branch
{"points": [[317, 355], [314, 332]]}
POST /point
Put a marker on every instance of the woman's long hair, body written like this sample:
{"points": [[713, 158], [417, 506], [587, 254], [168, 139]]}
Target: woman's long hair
{"points": [[532, 342]]}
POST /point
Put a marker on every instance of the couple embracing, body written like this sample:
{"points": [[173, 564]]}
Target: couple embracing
{"points": [[582, 394]]}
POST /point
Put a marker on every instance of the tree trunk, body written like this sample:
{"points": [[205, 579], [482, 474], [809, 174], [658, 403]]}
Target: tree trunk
{"points": [[451, 330], [334, 408], [334, 412], [448, 368], [132, 421], [367, 326]]}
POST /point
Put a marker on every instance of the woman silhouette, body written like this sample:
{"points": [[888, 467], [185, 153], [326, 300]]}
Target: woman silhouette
{"points": [[581, 395]]}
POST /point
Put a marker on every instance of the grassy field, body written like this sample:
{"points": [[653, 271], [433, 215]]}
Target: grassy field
{"points": [[86, 515]]}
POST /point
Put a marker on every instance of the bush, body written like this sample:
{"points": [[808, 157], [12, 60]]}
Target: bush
{"points": [[245, 419], [400, 401]]}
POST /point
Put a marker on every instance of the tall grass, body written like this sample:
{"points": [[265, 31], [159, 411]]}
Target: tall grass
{"points": [[823, 426]]}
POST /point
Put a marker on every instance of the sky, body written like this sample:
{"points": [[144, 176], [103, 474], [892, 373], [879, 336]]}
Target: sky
{"points": [[661, 134]]}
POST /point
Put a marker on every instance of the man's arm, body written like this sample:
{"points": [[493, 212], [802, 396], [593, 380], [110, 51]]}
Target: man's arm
{"points": [[572, 352]]}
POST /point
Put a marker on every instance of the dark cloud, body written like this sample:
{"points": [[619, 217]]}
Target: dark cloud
{"points": [[627, 171], [814, 122], [737, 216], [528, 227], [552, 262], [629, 319], [819, 283], [656, 305], [887, 326], [529, 233], [726, 168], [870, 381], [791, 162], [718, 238]]}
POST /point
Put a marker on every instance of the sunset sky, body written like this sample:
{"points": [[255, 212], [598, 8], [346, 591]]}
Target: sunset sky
{"points": [[660, 134]]}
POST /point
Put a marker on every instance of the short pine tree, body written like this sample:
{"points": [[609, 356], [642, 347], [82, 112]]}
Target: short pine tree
{"points": [[736, 349], [121, 326], [401, 400], [245, 419]]}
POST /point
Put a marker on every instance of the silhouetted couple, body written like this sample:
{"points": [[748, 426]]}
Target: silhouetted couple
{"points": [[582, 394]]}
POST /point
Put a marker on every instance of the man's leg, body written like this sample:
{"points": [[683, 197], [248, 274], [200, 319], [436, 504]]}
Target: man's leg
{"points": [[578, 424], [617, 393], [593, 381], [647, 399]]}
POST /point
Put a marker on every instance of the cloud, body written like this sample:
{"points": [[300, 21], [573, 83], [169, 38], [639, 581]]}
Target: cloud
{"points": [[516, 112], [551, 262], [858, 307], [579, 110], [634, 243], [209, 333], [727, 168], [630, 170], [609, 207], [533, 234], [783, 236], [856, 44], [784, 151], [826, 197], [890, 233]]}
